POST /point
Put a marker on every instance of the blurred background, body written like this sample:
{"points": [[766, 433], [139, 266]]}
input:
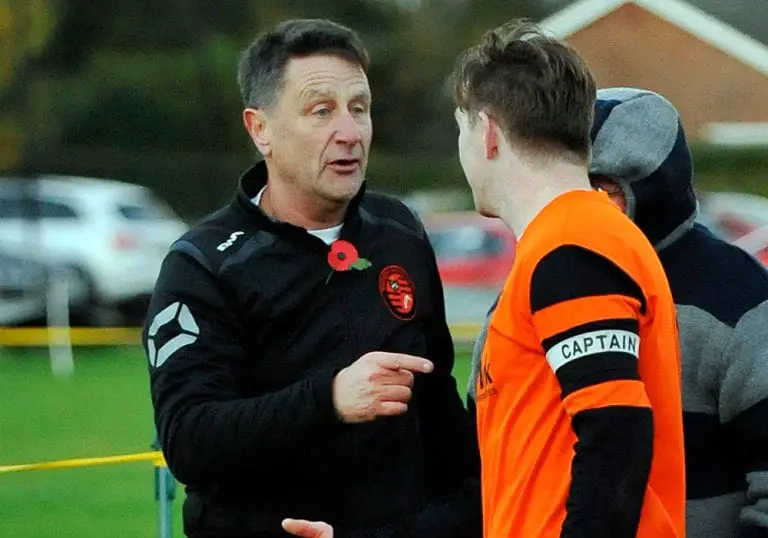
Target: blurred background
{"points": [[120, 127], [129, 115]]}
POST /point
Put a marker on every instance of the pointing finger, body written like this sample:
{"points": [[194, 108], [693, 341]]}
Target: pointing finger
{"points": [[303, 528], [400, 361]]}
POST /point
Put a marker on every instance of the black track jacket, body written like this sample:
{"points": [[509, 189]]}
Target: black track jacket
{"points": [[248, 325]]}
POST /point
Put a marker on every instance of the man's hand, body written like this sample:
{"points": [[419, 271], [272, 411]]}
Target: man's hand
{"points": [[377, 384], [308, 529]]}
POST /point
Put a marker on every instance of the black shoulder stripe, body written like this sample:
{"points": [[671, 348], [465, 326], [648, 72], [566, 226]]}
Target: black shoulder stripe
{"points": [[390, 208], [184, 246], [259, 241], [572, 272], [387, 221]]}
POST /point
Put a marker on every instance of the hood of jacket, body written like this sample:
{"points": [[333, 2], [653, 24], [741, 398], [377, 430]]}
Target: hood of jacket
{"points": [[639, 142]]}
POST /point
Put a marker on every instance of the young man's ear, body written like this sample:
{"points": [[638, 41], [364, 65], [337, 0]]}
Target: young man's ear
{"points": [[258, 128], [490, 135]]}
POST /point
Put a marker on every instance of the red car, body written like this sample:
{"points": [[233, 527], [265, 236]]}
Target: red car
{"points": [[471, 250]]}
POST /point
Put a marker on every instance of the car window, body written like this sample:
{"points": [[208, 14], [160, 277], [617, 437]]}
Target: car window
{"points": [[11, 208], [135, 212], [55, 210], [17, 208], [152, 209]]}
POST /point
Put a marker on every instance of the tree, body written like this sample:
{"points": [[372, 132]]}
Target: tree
{"points": [[25, 27]]}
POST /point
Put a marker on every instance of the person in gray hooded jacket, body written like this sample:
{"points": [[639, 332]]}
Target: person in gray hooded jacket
{"points": [[640, 156]]}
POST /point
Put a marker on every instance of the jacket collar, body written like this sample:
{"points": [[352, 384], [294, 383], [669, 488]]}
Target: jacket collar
{"points": [[255, 178]]}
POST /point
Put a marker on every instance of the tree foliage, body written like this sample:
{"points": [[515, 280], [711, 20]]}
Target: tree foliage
{"points": [[146, 91], [25, 28], [162, 74]]}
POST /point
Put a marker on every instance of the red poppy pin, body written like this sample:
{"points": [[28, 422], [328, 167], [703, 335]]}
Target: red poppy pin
{"points": [[343, 256]]}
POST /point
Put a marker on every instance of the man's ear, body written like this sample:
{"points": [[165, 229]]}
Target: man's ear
{"points": [[490, 135], [255, 121]]}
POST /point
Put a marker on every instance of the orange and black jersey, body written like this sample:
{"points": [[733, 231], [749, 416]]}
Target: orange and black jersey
{"points": [[578, 397]]}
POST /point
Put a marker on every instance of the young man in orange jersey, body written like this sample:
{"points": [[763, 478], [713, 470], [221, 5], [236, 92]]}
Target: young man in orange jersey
{"points": [[579, 410]]}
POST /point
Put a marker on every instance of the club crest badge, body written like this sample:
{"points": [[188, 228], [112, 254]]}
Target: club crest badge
{"points": [[398, 291]]}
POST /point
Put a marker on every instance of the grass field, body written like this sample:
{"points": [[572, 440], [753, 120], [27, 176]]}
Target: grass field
{"points": [[103, 409]]}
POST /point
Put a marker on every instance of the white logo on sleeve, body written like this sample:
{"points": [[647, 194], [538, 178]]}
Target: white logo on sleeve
{"points": [[593, 343], [229, 242], [187, 335]]}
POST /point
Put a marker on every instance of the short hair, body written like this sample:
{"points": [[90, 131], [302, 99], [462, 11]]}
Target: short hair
{"points": [[539, 89], [262, 65]]}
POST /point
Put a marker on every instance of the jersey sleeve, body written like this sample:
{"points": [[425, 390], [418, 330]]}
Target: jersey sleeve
{"points": [[208, 427], [586, 313]]}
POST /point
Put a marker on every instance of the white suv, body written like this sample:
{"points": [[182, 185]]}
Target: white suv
{"points": [[113, 234]]}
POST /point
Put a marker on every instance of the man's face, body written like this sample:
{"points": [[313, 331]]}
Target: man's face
{"points": [[321, 128], [472, 155]]}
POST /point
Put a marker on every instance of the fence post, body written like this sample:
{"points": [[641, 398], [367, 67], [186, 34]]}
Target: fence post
{"points": [[165, 492]]}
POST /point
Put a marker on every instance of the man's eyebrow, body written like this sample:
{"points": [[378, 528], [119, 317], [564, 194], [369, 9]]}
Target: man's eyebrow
{"points": [[311, 94], [361, 95], [317, 94]]}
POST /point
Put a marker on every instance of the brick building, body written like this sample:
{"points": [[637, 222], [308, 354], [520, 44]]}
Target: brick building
{"points": [[716, 75]]}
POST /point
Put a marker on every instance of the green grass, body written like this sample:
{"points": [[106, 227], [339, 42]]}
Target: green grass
{"points": [[461, 369], [103, 409]]}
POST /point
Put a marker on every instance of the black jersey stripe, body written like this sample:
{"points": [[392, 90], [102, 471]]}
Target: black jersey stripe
{"points": [[573, 272], [596, 369]]}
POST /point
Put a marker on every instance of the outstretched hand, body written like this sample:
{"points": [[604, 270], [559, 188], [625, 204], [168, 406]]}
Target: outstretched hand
{"points": [[308, 529], [378, 384]]}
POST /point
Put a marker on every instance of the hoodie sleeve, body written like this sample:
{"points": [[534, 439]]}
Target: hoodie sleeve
{"points": [[206, 425], [477, 355], [743, 402]]}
